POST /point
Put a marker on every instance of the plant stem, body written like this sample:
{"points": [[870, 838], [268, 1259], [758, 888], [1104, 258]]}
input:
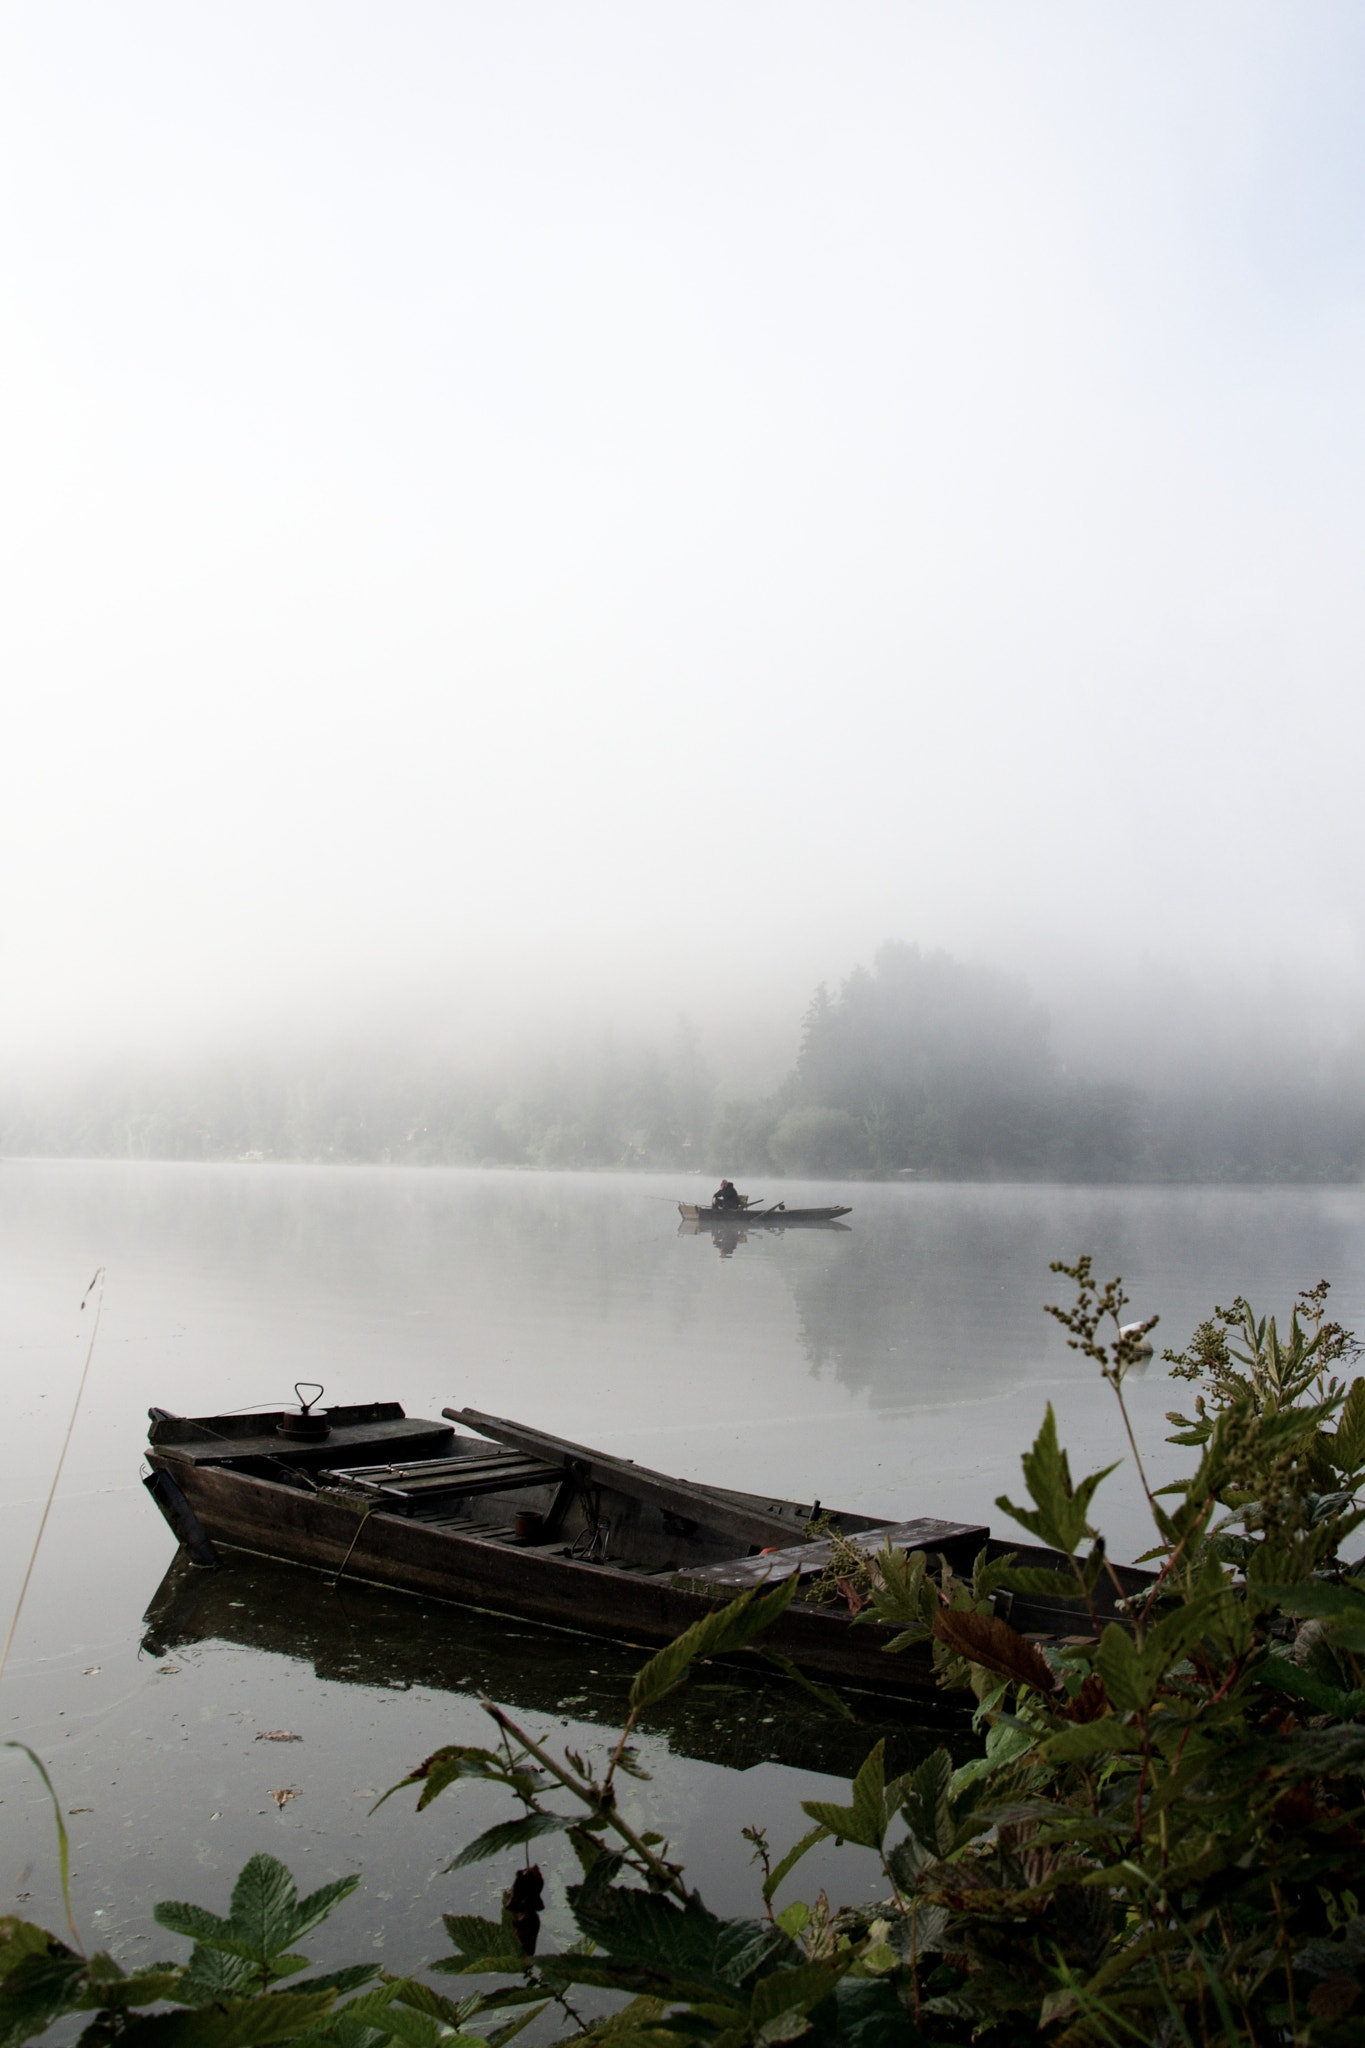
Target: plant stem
{"points": [[598, 1801]]}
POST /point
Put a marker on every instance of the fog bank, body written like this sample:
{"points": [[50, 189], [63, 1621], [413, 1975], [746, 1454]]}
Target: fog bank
{"points": [[525, 520]]}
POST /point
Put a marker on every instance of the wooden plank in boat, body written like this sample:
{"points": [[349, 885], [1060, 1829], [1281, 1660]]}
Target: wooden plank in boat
{"points": [[676, 1496], [449, 1478], [958, 1540], [401, 1437]]}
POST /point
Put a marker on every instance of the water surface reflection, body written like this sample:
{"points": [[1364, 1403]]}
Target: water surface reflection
{"points": [[898, 1365]]}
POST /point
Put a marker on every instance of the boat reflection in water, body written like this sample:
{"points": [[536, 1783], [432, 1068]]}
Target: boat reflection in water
{"points": [[359, 1634]]}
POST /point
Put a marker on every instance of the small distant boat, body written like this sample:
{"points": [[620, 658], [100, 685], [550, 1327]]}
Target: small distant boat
{"points": [[778, 1213]]}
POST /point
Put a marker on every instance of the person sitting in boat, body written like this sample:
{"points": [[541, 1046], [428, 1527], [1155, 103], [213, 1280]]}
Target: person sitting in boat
{"points": [[727, 1196]]}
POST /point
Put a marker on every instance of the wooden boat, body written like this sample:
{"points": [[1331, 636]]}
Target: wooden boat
{"points": [[777, 1216], [494, 1514]]}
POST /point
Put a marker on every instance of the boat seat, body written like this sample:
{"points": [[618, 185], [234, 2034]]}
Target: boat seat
{"points": [[433, 1482]]}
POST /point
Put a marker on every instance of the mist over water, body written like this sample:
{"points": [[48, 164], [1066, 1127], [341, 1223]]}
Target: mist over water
{"points": [[520, 523]]}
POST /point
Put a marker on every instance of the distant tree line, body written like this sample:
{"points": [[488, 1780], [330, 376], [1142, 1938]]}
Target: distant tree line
{"points": [[924, 1065], [918, 1065]]}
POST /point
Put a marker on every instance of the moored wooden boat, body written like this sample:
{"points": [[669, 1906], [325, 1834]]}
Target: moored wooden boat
{"points": [[495, 1514], [778, 1215]]}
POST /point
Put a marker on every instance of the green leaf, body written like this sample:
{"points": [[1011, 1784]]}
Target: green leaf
{"points": [[1325, 1752], [746, 1948], [20, 1938], [1128, 1679], [926, 1802], [242, 2023], [727, 1628], [501, 2035], [779, 1871], [643, 1927], [411, 1991], [1040, 1582], [263, 1907], [1285, 1676], [1005, 1744], [1315, 1599], [349, 1978], [1348, 1442], [512, 1834], [122, 1993], [196, 1923], [475, 1937], [1171, 1640], [412, 2029], [865, 1821], [1105, 1737], [42, 1986], [1058, 1516], [456, 1760], [868, 2014], [905, 1599], [215, 1973], [312, 1911], [791, 1994], [63, 1840]]}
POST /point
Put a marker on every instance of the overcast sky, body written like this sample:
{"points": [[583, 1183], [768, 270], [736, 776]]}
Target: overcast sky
{"points": [[629, 504]]}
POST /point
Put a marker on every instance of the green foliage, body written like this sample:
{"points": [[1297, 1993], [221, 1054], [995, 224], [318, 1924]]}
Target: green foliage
{"points": [[868, 1817], [224, 1997], [900, 1595], [266, 1916], [726, 1629], [1058, 1516]]}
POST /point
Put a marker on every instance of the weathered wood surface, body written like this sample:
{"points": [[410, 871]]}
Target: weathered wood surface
{"points": [[175, 1429], [952, 1539], [399, 1438], [276, 1520], [727, 1514]]}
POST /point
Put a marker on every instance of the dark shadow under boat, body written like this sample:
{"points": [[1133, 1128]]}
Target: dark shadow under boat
{"points": [[738, 1715]]}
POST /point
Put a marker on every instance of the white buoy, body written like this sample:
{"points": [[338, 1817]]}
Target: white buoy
{"points": [[1144, 1349]]}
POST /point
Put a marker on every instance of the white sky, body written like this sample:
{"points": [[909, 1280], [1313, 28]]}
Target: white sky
{"points": [[466, 465]]}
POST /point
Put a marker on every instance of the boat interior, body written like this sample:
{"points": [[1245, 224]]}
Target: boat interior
{"points": [[500, 1482]]}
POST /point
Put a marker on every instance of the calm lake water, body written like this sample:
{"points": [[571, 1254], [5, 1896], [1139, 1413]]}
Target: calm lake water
{"points": [[897, 1366]]}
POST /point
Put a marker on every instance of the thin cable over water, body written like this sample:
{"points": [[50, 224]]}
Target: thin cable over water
{"points": [[98, 1281]]}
